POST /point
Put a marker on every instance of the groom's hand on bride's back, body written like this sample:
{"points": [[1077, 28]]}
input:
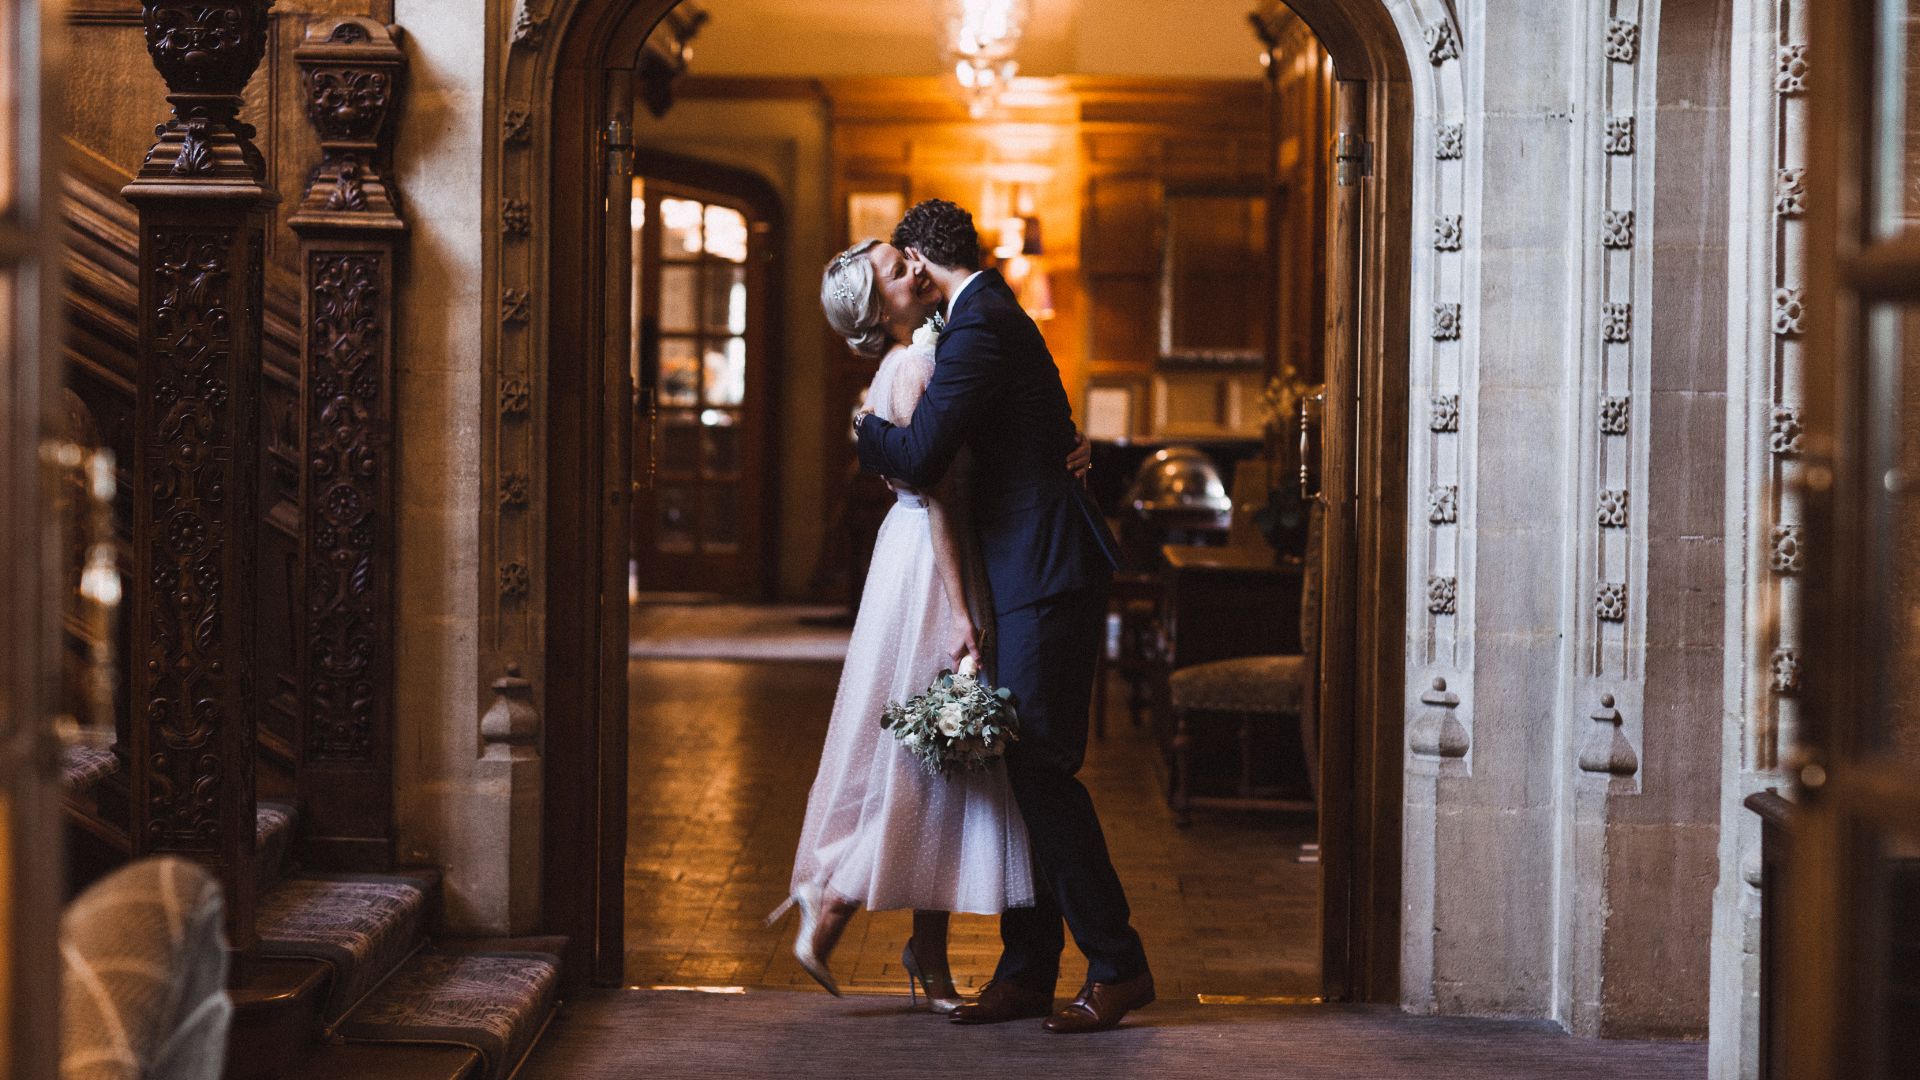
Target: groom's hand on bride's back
{"points": [[1080, 459]]}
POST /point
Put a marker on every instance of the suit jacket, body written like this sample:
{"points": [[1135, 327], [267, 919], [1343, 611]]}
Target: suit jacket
{"points": [[996, 391]]}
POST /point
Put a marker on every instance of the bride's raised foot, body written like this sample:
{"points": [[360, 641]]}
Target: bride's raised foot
{"points": [[821, 923]]}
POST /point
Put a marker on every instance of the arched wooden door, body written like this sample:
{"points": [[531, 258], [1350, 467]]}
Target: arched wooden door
{"points": [[705, 252]]}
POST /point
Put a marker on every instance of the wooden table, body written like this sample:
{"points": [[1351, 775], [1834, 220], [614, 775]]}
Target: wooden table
{"points": [[1224, 602]]}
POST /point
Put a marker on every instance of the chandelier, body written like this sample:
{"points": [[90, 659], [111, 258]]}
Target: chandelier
{"points": [[980, 37]]}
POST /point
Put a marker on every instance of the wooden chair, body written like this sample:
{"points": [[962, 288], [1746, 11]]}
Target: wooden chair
{"points": [[1255, 689]]}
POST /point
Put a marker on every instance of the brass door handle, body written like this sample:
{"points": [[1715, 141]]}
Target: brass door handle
{"points": [[1311, 409]]}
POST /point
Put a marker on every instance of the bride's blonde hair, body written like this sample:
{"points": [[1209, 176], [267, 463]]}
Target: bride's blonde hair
{"points": [[851, 299]]}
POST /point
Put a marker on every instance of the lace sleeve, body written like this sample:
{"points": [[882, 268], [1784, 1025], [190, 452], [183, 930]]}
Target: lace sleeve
{"points": [[908, 383]]}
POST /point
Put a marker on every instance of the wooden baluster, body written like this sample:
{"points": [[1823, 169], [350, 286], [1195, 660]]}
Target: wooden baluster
{"points": [[350, 236], [203, 211]]}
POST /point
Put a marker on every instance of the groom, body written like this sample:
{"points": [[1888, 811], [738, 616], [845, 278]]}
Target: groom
{"points": [[1049, 558]]}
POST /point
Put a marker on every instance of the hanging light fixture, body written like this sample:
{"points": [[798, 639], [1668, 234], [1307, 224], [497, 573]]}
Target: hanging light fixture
{"points": [[980, 39]]}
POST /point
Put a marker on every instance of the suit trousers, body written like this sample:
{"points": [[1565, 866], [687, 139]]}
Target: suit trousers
{"points": [[1046, 653]]}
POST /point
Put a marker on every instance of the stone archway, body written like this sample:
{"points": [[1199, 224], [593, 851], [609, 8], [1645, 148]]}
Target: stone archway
{"points": [[559, 100]]}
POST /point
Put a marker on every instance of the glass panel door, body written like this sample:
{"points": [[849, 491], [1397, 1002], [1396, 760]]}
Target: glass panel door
{"points": [[698, 349], [1851, 956]]}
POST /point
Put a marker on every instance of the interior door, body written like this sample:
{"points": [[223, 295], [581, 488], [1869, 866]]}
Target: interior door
{"points": [[1852, 964], [700, 369], [30, 859]]}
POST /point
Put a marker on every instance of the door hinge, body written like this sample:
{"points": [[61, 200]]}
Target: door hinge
{"points": [[1352, 159], [619, 147]]}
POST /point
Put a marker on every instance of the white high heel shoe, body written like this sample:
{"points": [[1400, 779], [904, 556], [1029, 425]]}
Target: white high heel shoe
{"points": [[809, 897]]}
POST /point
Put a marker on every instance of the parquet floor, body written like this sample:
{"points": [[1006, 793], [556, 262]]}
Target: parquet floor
{"points": [[722, 755]]}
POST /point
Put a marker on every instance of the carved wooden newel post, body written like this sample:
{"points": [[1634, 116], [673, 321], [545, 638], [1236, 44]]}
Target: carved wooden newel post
{"points": [[202, 208], [350, 234]]}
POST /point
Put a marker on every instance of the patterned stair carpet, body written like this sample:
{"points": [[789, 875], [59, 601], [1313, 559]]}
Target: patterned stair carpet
{"points": [[84, 765], [273, 823], [621, 1034], [496, 1003], [363, 925]]}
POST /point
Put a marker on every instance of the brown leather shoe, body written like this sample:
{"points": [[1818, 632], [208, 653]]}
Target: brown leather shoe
{"points": [[1000, 1002], [1101, 1006]]}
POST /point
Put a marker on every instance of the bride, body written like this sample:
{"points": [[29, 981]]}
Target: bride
{"points": [[880, 831]]}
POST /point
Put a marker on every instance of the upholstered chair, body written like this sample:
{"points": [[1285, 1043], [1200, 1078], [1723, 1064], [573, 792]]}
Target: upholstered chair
{"points": [[143, 991], [1254, 690]]}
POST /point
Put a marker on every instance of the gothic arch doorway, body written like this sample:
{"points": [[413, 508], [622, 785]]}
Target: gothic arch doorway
{"points": [[581, 74]]}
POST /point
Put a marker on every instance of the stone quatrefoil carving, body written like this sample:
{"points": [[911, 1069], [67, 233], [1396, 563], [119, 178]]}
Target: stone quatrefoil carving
{"points": [[516, 395], [1619, 137], [1450, 142], [1446, 322], [1785, 550], [514, 306], [514, 580], [530, 25], [1783, 671], [1784, 431], [1614, 414], [516, 216], [1616, 323], [1444, 413], [1613, 508], [1616, 229], [517, 125], [1789, 312], [1448, 232], [1790, 71], [1790, 192], [1610, 602], [1442, 43], [1623, 40], [513, 488], [1443, 504], [1443, 595]]}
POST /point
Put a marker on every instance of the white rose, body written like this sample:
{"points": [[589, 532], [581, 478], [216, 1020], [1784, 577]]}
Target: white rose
{"points": [[927, 334], [952, 720]]}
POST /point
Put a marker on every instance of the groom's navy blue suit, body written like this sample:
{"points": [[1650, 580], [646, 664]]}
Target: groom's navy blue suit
{"points": [[1049, 558]]}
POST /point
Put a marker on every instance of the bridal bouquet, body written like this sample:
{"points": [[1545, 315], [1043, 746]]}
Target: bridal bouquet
{"points": [[960, 724]]}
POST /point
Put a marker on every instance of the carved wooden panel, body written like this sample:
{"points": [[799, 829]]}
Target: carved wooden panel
{"points": [[348, 477], [349, 238], [197, 411]]}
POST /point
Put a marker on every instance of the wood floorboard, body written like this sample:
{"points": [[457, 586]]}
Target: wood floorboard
{"points": [[723, 754]]}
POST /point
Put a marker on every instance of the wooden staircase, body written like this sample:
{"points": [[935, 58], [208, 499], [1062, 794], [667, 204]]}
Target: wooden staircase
{"points": [[249, 606], [351, 977]]}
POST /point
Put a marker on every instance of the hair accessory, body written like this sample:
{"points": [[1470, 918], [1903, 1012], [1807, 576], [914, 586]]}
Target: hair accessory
{"points": [[843, 292]]}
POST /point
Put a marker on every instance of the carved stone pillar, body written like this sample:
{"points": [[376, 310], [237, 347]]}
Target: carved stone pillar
{"points": [[350, 235], [202, 207]]}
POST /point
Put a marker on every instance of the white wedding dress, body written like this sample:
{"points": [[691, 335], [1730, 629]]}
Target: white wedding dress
{"points": [[879, 829]]}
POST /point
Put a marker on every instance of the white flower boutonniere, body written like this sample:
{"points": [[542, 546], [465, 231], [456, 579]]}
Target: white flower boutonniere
{"points": [[929, 331]]}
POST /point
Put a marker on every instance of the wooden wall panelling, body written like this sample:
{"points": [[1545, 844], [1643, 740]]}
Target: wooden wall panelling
{"points": [[203, 217], [351, 237]]}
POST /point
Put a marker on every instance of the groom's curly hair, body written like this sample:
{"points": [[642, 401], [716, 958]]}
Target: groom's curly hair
{"points": [[942, 232]]}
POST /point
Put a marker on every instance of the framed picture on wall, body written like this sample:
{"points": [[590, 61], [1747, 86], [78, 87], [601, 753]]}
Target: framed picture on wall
{"points": [[1109, 412], [873, 214]]}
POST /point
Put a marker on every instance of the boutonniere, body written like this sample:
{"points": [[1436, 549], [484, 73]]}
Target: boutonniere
{"points": [[930, 331]]}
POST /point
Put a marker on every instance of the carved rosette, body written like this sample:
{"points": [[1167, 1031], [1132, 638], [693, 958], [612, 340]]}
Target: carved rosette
{"points": [[351, 69]]}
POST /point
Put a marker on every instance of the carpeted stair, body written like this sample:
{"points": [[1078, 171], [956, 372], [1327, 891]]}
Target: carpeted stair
{"points": [[494, 1003], [363, 926]]}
